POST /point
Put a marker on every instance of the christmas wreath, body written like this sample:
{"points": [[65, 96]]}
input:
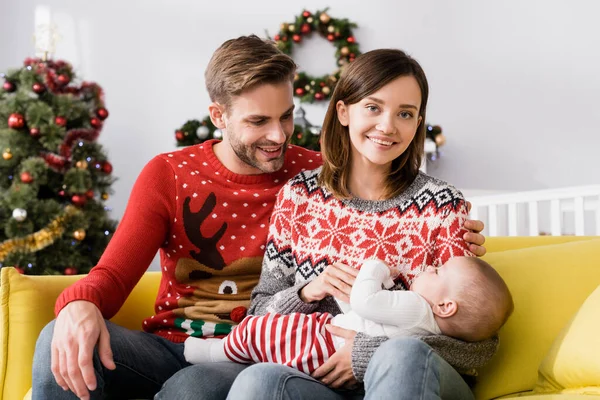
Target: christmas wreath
{"points": [[338, 31]]}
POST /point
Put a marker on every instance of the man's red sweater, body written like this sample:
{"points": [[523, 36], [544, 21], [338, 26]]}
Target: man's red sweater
{"points": [[210, 226]]}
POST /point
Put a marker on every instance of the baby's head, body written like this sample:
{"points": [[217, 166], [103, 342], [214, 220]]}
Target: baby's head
{"points": [[468, 297]]}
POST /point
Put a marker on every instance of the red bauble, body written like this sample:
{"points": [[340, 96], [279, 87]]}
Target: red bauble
{"points": [[305, 28], [78, 200], [299, 91], [8, 87], [102, 113], [306, 14], [330, 37], [38, 88], [89, 194], [179, 135], [61, 193], [96, 123], [296, 38], [16, 121], [60, 121], [277, 37], [20, 270], [350, 39], [238, 314], [63, 79], [322, 84], [26, 177], [71, 271], [319, 96], [34, 132], [107, 167]]}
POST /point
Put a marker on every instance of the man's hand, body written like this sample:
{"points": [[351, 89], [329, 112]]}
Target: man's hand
{"points": [[474, 238], [337, 371], [78, 327], [336, 280]]}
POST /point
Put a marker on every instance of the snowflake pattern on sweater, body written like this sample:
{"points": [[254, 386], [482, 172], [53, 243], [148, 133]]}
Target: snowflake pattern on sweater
{"points": [[311, 229]]}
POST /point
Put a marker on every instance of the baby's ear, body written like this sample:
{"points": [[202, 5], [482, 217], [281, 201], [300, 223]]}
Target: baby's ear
{"points": [[445, 308]]}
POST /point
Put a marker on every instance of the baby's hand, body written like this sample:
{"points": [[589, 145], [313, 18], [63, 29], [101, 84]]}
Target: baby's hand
{"points": [[394, 272]]}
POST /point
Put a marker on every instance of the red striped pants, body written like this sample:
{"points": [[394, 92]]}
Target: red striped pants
{"points": [[297, 340]]}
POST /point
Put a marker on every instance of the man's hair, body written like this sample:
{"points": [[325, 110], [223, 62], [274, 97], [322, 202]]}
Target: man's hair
{"points": [[484, 304], [244, 63], [367, 74]]}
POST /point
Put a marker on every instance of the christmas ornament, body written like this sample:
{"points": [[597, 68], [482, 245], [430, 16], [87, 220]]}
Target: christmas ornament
{"points": [[81, 164], [34, 132], [104, 196], [63, 79], [38, 88], [60, 121], [7, 155], [19, 214], [9, 87], [440, 140], [218, 134], [89, 194], [79, 200], [20, 270], [107, 167], [71, 271], [26, 177], [16, 121], [202, 132], [96, 123], [102, 113], [336, 31], [79, 234], [326, 90], [179, 135]]}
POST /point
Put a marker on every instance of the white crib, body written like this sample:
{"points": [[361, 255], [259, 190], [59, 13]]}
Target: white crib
{"points": [[565, 211]]}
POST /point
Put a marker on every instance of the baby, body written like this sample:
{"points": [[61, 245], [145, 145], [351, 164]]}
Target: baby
{"points": [[465, 298]]}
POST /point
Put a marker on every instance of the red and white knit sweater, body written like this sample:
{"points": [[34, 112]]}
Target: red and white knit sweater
{"points": [[210, 226], [311, 229]]}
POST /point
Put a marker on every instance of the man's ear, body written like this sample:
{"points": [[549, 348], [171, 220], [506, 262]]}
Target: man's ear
{"points": [[217, 115], [445, 308], [342, 113]]}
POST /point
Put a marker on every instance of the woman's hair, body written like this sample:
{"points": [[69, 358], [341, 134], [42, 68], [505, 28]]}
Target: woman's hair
{"points": [[244, 63], [366, 75]]}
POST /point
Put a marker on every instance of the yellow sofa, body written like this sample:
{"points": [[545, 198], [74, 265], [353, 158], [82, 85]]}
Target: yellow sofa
{"points": [[550, 277]]}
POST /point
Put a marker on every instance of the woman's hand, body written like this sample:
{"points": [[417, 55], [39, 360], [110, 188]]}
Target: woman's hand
{"points": [[474, 238], [336, 280], [337, 371]]}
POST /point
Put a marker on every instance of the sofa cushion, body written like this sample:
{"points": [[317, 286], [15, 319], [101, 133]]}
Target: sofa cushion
{"points": [[573, 362], [548, 284]]}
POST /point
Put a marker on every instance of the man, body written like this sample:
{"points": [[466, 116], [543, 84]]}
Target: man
{"points": [[207, 209]]}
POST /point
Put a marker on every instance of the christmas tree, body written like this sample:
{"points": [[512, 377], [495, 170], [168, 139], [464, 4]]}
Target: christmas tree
{"points": [[54, 176]]}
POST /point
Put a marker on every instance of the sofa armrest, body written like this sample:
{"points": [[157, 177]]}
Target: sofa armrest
{"points": [[27, 305]]}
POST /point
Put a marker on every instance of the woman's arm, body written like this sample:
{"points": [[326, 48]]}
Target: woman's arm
{"points": [[277, 290]]}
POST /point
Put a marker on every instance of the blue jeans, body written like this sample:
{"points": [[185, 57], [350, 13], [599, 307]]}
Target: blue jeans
{"points": [[402, 368], [144, 362]]}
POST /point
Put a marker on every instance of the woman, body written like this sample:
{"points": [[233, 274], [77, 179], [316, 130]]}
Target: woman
{"points": [[369, 200]]}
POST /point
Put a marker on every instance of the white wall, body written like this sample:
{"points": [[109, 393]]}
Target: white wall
{"points": [[514, 84]]}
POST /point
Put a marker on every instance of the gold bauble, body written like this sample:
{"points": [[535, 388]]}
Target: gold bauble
{"points": [[79, 234], [307, 87], [82, 164], [326, 90], [104, 196], [284, 27], [344, 51], [440, 140], [331, 29], [296, 77], [324, 18], [291, 28], [7, 155], [309, 20]]}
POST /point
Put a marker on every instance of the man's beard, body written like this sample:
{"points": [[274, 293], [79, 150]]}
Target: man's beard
{"points": [[247, 154]]}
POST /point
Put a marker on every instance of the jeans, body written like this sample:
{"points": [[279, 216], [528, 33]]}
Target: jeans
{"points": [[402, 368], [144, 362]]}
